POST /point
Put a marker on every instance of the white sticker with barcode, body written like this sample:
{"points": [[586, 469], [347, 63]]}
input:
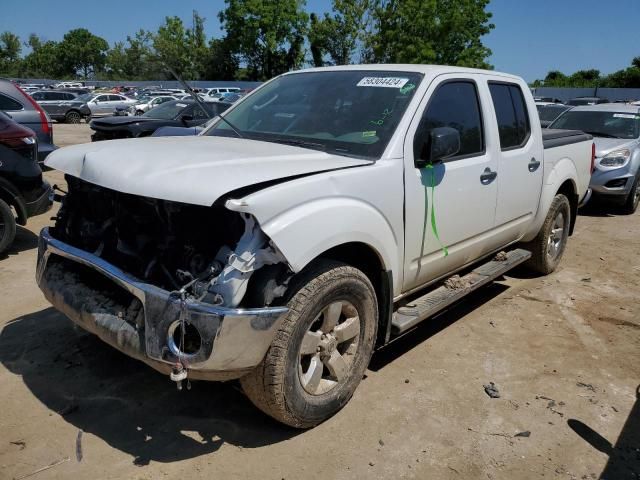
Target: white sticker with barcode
{"points": [[624, 115], [386, 82]]}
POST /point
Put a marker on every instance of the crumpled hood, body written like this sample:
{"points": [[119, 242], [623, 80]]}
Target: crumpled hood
{"points": [[194, 170], [608, 145]]}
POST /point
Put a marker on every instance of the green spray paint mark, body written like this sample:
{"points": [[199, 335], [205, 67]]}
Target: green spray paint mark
{"points": [[434, 226]]}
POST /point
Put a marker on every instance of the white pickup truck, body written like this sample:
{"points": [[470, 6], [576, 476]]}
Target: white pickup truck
{"points": [[321, 217]]}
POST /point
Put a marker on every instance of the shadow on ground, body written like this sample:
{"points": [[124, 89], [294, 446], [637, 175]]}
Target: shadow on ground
{"points": [[123, 401], [25, 240], [624, 456]]}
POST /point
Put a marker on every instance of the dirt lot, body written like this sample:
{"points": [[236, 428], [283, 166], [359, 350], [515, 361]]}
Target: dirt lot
{"points": [[564, 352]]}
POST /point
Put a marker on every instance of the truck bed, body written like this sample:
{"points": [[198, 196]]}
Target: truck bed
{"points": [[552, 138]]}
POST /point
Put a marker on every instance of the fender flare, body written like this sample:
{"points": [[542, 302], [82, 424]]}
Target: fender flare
{"points": [[563, 170], [10, 194]]}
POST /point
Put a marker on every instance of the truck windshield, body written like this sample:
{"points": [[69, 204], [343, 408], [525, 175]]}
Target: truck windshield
{"points": [[601, 124], [351, 112]]}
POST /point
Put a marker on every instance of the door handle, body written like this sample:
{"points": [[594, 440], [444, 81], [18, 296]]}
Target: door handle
{"points": [[488, 176], [533, 165]]}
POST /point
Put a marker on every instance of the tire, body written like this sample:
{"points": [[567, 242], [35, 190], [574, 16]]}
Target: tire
{"points": [[545, 257], [304, 389], [7, 226], [631, 204], [139, 113], [73, 117]]}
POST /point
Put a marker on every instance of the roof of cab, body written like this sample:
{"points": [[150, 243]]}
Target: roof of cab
{"points": [[608, 107], [432, 70]]}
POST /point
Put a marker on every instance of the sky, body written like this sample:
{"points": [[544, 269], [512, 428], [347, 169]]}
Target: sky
{"points": [[531, 37]]}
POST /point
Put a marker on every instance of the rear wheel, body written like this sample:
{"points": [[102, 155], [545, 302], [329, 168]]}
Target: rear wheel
{"points": [[7, 226], [73, 117], [321, 350], [139, 113], [631, 204], [548, 246]]}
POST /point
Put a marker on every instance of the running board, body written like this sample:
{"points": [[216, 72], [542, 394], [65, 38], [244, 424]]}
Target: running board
{"points": [[454, 289]]}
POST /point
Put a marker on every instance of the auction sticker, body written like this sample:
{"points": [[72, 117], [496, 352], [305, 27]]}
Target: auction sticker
{"points": [[624, 115], [386, 82]]}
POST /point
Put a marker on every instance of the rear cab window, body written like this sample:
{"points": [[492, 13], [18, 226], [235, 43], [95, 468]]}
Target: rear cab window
{"points": [[512, 116], [454, 104]]}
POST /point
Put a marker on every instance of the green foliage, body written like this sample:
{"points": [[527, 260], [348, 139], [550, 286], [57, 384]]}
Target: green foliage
{"points": [[337, 35], [220, 63], [268, 35], [10, 48], [82, 52], [446, 32], [625, 78]]}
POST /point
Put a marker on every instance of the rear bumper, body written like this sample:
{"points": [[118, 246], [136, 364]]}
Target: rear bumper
{"points": [[44, 149], [136, 317], [42, 203]]}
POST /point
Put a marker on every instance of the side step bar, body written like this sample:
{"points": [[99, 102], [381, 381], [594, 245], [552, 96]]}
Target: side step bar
{"points": [[454, 289]]}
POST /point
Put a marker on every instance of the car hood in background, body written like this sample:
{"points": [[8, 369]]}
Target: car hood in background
{"points": [[608, 145], [195, 170], [128, 120]]}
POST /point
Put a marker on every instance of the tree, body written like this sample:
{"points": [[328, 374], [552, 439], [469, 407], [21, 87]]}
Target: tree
{"points": [[221, 63], [170, 45], [10, 48], [82, 52], [445, 32], [197, 47], [338, 34], [267, 34], [43, 61]]}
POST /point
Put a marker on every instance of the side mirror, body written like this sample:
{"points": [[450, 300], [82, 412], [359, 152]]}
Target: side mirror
{"points": [[186, 118], [442, 143]]}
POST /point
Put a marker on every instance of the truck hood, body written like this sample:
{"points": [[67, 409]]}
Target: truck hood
{"points": [[194, 170], [605, 146]]}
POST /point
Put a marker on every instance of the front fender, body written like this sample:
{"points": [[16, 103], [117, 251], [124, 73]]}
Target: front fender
{"points": [[563, 170], [306, 230]]}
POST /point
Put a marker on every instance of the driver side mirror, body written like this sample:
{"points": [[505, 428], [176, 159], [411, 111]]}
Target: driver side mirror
{"points": [[442, 143], [186, 118]]}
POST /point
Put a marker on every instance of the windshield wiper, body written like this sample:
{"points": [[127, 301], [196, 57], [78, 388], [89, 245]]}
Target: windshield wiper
{"points": [[600, 134], [235, 130], [297, 143]]}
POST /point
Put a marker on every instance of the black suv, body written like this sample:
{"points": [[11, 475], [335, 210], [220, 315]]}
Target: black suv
{"points": [[21, 185]]}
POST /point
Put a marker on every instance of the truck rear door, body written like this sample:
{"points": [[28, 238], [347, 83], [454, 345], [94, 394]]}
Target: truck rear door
{"points": [[520, 158], [461, 192]]}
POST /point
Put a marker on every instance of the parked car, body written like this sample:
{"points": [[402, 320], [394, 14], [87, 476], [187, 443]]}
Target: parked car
{"points": [[300, 232], [212, 92], [144, 104], [61, 106], [587, 101], [25, 110], [616, 132], [102, 104], [69, 85], [176, 113], [547, 100], [23, 192], [549, 112]]}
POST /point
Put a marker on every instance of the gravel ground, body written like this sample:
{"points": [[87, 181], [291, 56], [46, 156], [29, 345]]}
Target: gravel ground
{"points": [[563, 352]]}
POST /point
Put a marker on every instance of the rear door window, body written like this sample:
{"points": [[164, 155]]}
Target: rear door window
{"points": [[9, 104], [511, 113], [454, 104]]}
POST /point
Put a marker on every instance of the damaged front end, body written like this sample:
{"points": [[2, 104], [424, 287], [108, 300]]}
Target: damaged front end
{"points": [[168, 283]]}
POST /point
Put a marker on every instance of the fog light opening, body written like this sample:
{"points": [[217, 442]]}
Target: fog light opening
{"points": [[188, 345]]}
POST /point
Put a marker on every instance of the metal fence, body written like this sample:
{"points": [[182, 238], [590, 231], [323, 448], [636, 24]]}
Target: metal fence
{"points": [[566, 94]]}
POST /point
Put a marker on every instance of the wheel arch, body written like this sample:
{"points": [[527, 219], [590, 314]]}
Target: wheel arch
{"points": [[12, 197]]}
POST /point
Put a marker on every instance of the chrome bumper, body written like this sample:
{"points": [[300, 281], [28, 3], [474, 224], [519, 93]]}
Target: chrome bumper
{"points": [[233, 341]]}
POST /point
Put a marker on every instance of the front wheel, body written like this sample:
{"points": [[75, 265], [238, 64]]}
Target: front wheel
{"points": [[631, 204], [548, 246], [73, 117], [7, 226], [321, 350]]}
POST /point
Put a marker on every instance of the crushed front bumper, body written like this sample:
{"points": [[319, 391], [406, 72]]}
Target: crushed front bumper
{"points": [[137, 318]]}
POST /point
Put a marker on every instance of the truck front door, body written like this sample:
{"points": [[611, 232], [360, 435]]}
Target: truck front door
{"points": [[464, 187]]}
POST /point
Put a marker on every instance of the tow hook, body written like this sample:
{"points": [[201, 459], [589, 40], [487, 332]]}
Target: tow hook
{"points": [[178, 374]]}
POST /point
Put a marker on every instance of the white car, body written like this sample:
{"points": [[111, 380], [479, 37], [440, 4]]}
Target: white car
{"points": [[105, 104], [214, 94], [68, 85], [316, 220], [144, 104]]}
